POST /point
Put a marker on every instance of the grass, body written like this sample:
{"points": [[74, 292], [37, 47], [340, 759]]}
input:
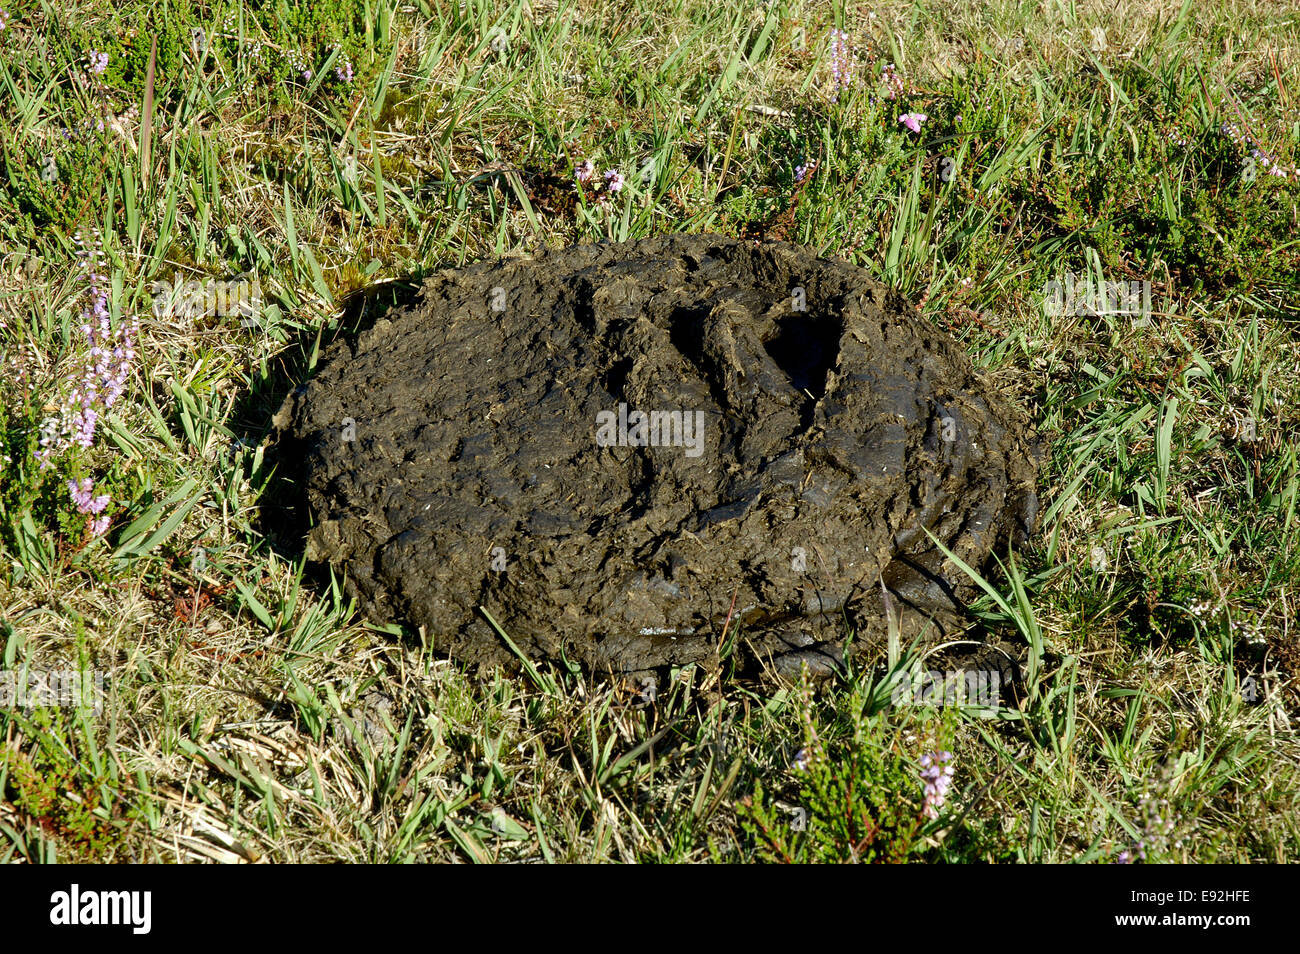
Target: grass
{"points": [[339, 151]]}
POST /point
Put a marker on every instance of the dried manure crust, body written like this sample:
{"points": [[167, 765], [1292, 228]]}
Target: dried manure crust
{"points": [[485, 447]]}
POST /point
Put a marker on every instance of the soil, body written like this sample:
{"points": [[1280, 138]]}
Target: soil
{"points": [[483, 449]]}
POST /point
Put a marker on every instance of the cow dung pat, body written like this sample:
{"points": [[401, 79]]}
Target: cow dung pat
{"points": [[623, 451]]}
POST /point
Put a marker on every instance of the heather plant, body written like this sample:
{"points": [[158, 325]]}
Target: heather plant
{"points": [[106, 363], [1160, 830], [859, 789], [95, 378], [843, 63], [68, 788], [598, 193], [53, 184], [287, 50]]}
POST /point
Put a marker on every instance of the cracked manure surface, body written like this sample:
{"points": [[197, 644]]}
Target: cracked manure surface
{"points": [[470, 450]]}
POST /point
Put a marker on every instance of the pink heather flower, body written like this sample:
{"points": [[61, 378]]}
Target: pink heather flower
{"points": [[1158, 831], [344, 72], [613, 180], [3, 16], [586, 169], [804, 171], [913, 120], [98, 526], [81, 494], [937, 781], [893, 82], [841, 62], [98, 61], [83, 426], [108, 360]]}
